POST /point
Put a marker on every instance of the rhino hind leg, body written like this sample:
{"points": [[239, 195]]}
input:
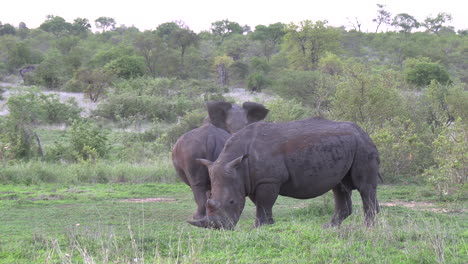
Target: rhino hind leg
{"points": [[370, 203], [343, 205]]}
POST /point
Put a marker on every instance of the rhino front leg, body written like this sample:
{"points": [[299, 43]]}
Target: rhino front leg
{"points": [[265, 198], [200, 194], [343, 205]]}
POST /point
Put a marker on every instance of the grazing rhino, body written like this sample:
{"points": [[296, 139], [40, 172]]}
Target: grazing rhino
{"points": [[300, 159], [26, 70], [207, 141]]}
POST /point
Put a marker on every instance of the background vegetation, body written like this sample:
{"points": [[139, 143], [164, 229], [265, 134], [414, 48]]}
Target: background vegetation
{"points": [[407, 87]]}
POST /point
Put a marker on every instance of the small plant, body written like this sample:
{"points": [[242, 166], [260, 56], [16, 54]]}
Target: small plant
{"points": [[88, 141]]}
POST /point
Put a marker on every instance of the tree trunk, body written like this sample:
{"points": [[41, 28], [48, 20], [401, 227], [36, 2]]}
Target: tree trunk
{"points": [[222, 74]]}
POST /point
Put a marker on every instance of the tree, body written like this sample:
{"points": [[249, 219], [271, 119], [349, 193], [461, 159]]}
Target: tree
{"points": [[165, 30], [357, 25], [80, 26], [183, 38], [434, 25], [225, 28], [383, 17], [405, 22], [311, 88], [7, 29], [365, 98], [94, 81], [56, 25], [222, 64], [22, 25], [105, 23], [270, 36], [149, 45], [307, 42]]}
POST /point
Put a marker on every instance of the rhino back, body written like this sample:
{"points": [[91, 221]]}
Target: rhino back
{"points": [[205, 142], [306, 158]]}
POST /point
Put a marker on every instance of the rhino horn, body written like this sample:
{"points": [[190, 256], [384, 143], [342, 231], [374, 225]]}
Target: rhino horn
{"points": [[200, 223], [205, 162]]}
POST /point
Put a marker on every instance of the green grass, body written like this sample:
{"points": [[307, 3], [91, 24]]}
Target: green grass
{"points": [[68, 223], [37, 172]]}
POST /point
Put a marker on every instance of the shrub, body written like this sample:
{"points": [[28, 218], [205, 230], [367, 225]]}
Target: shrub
{"points": [[87, 141], [126, 67], [282, 110], [188, 122], [51, 72], [451, 158], [404, 152], [34, 107], [257, 81], [421, 72], [366, 98], [156, 99], [16, 139], [311, 88], [94, 82]]}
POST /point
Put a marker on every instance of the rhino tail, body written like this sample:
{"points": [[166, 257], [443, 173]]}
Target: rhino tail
{"points": [[380, 177]]}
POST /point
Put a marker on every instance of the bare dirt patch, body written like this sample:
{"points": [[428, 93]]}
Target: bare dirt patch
{"points": [[424, 206], [149, 200]]}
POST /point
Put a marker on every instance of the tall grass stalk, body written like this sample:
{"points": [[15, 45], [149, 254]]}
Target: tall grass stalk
{"points": [[36, 172]]}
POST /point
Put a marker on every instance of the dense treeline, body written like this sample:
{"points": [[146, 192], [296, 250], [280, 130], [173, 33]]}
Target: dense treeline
{"points": [[406, 88]]}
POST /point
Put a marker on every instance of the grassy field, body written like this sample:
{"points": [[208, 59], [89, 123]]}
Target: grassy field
{"points": [[106, 223]]}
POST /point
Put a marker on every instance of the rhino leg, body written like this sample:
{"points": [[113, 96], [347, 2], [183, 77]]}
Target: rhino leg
{"points": [[265, 198], [343, 205], [370, 203], [200, 195]]}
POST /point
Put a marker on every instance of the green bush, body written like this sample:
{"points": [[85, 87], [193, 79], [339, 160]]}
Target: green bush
{"points": [[404, 151], [257, 81], [188, 122], [282, 110], [126, 67], [88, 142], [33, 107], [156, 99], [421, 72], [451, 158], [16, 139], [366, 98], [51, 72], [311, 88]]}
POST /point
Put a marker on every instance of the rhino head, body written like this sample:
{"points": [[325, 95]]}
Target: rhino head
{"points": [[228, 195], [232, 117]]}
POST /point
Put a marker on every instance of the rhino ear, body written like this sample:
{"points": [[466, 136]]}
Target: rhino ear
{"points": [[255, 111], [237, 162], [205, 162], [218, 111]]}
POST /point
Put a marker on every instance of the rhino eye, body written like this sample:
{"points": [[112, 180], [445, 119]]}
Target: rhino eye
{"points": [[231, 202]]}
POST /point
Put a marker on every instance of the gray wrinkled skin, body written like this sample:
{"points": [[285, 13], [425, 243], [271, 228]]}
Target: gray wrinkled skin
{"points": [[207, 141], [301, 159]]}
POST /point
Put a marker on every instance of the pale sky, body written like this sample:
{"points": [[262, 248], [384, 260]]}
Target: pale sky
{"points": [[199, 14]]}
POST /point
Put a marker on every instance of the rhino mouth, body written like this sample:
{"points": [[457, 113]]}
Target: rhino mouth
{"points": [[214, 222]]}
